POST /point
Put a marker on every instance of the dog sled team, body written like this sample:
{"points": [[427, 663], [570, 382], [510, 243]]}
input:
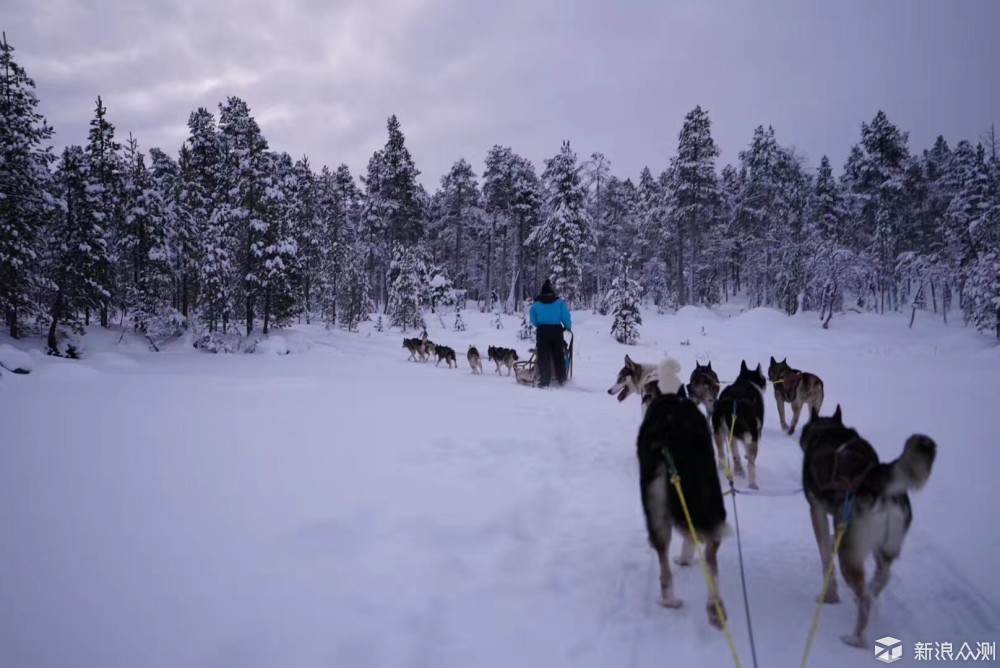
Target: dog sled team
{"points": [[551, 356], [842, 477], [423, 349]]}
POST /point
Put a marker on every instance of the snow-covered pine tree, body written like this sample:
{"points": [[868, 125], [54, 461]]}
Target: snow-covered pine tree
{"points": [[566, 227], [392, 211], [527, 330], [458, 227], [406, 290], [624, 300], [731, 247], [511, 202], [307, 226], [974, 223], [826, 268], [694, 201], [653, 238], [354, 293], [26, 193], [621, 230], [789, 280], [246, 164], [440, 290], [279, 250], [76, 246], [876, 180], [769, 221], [338, 210], [207, 267], [143, 254], [596, 176], [165, 178], [755, 219], [105, 172]]}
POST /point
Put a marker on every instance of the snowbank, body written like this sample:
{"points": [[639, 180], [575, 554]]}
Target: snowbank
{"points": [[15, 360]]}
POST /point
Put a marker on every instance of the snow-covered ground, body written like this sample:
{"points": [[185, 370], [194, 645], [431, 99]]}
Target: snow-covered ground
{"points": [[342, 506]]}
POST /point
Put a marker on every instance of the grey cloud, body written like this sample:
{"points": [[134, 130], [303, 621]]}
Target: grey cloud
{"points": [[322, 77]]}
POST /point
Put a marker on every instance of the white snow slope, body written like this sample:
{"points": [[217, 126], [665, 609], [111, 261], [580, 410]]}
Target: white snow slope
{"points": [[342, 506]]}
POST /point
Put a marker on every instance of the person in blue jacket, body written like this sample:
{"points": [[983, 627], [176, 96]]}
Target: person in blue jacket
{"points": [[550, 317]]}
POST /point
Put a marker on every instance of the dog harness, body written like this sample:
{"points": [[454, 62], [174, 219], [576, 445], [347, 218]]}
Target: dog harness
{"points": [[790, 382], [842, 469]]}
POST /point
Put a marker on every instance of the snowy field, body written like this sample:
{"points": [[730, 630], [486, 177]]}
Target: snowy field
{"points": [[342, 506]]}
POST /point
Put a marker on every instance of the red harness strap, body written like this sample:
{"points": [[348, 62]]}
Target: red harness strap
{"points": [[791, 383], [841, 470]]}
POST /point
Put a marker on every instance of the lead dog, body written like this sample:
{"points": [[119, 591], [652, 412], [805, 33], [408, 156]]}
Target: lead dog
{"points": [[838, 462], [799, 388], [673, 424]]}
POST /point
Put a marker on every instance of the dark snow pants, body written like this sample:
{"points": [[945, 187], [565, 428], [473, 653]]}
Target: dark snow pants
{"points": [[550, 350]]}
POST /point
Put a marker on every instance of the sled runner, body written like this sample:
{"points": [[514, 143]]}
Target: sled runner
{"points": [[526, 371]]}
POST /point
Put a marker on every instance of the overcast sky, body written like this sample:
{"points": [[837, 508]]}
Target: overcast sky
{"points": [[322, 76]]}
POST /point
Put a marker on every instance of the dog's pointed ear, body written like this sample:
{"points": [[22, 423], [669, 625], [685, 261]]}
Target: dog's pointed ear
{"points": [[682, 392], [709, 364], [759, 370], [743, 366], [785, 361], [838, 416], [772, 360], [628, 362]]}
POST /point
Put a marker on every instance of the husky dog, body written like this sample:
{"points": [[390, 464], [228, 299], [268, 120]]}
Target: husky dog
{"points": [[704, 386], [428, 349], [503, 357], [474, 360], [799, 388], [837, 461], [635, 376], [673, 424], [744, 400], [446, 354], [413, 345]]}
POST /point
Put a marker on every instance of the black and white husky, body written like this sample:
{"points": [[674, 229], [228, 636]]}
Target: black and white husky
{"points": [[744, 401], [635, 376], [673, 424], [838, 462]]}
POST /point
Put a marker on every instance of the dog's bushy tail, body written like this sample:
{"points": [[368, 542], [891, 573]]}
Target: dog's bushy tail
{"points": [[666, 374], [911, 469]]}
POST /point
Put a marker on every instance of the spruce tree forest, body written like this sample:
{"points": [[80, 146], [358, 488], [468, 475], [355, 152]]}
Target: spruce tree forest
{"points": [[230, 236]]}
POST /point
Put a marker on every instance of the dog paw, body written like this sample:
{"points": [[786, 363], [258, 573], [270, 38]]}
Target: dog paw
{"points": [[854, 641], [681, 561], [753, 485], [713, 614], [671, 602], [790, 431]]}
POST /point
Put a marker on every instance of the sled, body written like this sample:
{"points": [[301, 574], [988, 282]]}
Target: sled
{"points": [[526, 371]]}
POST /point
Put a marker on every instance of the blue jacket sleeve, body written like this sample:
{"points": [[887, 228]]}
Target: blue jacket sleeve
{"points": [[533, 313], [566, 320]]}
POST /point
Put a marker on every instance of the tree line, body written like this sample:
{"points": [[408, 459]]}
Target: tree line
{"points": [[227, 235]]}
